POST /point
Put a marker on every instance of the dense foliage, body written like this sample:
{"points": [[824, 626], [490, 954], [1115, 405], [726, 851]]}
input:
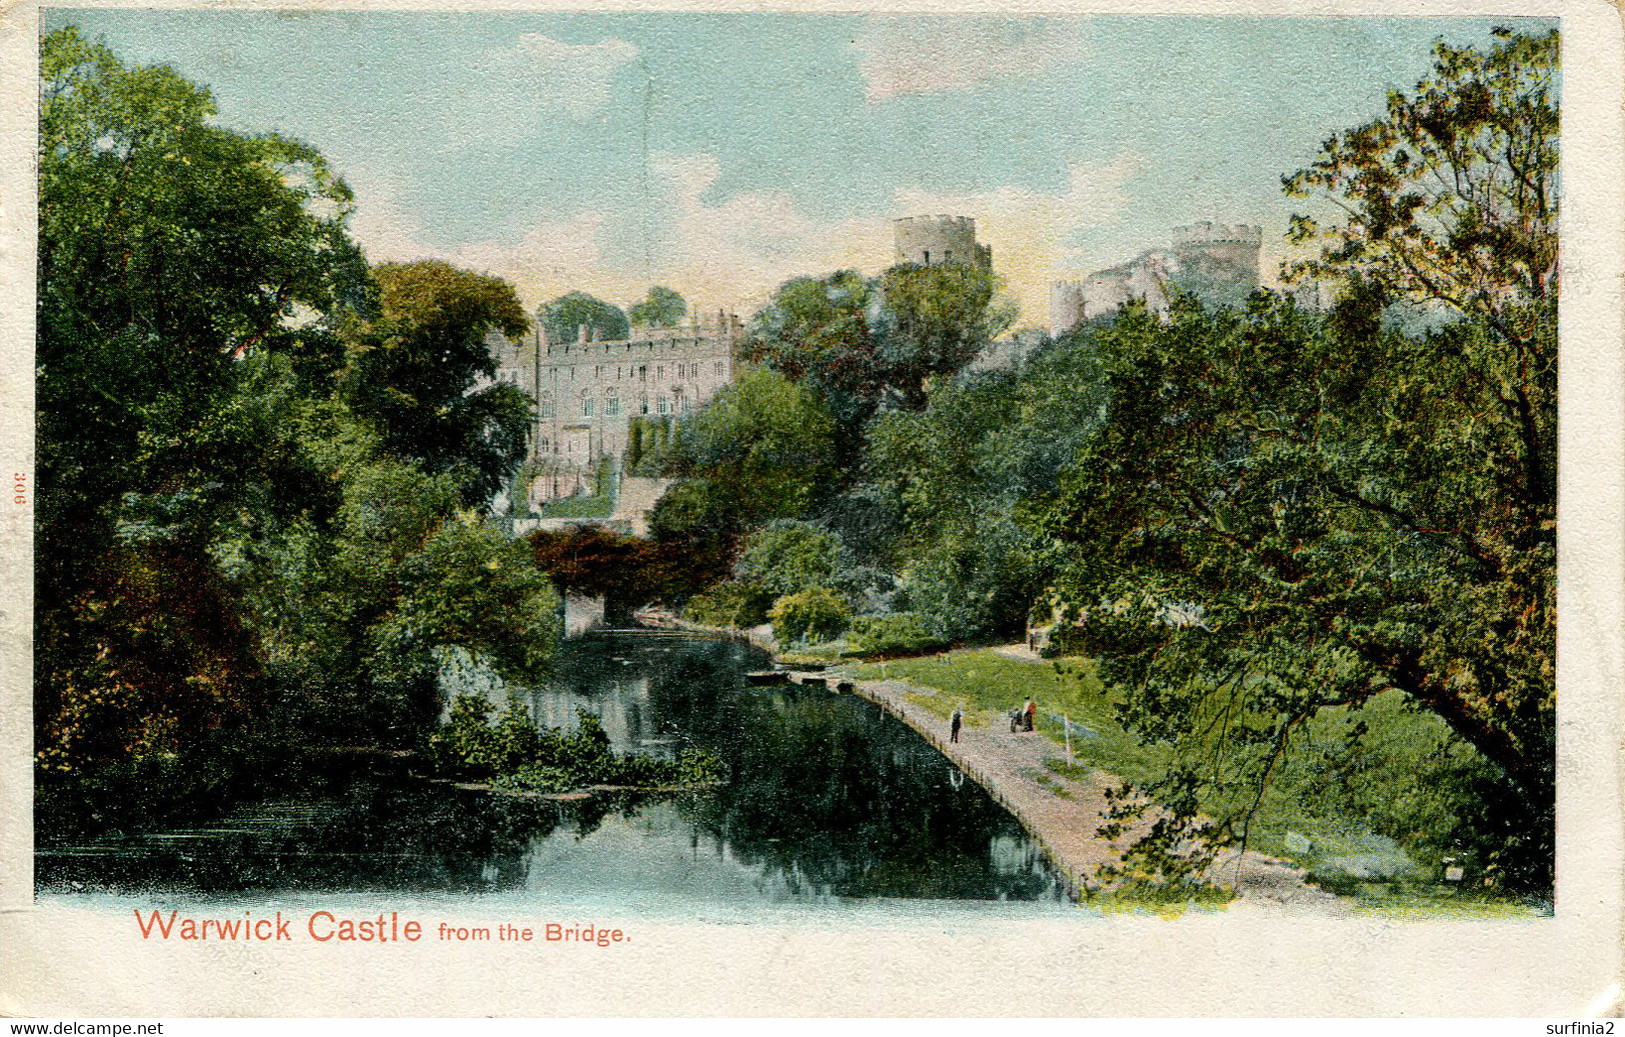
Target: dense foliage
{"points": [[787, 557], [1287, 513], [897, 633], [414, 367], [564, 317], [732, 603], [809, 616], [661, 308], [512, 752], [1270, 525], [762, 449], [867, 343], [253, 452]]}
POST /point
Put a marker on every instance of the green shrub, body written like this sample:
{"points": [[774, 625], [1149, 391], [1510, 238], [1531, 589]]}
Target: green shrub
{"points": [[815, 615], [731, 604], [514, 753], [901, 633], [788, 557]]}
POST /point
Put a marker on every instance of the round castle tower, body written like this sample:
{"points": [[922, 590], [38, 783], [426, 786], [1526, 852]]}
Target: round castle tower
{"points": [[1224, 252], [939, 240]]}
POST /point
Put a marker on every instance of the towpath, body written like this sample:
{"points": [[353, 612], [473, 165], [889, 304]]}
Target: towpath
{"points": [[1063, 809]]}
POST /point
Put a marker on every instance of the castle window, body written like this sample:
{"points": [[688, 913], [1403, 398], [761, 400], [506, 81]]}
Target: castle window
{"points": [[643, 373], [927, 257], [660, 371], [612, 406], [665, 407], [643, 406], [586, 407], [682, 404], [716, 368]]}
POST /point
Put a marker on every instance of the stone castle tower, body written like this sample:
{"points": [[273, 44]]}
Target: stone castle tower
{"points": [[1218, 263], [939, 240], [1216, 259]]}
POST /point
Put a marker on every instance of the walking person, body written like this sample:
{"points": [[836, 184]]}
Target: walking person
{"points": [[1032, 713], [958, 719]]}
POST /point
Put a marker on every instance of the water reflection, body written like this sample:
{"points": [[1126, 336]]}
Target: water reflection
{"points": [[828, 798]]}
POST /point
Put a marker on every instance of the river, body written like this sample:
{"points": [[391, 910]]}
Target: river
{"points": [[830, 801]]}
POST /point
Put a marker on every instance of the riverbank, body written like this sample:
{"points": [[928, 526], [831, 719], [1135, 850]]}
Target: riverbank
{"points": [[1060, 805]]}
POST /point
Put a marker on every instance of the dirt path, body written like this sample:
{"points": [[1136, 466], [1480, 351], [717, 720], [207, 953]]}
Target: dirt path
{"points": [[1062, 812]]}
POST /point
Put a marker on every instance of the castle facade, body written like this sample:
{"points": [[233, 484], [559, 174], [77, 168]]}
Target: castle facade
{"points": [[588, 390]]}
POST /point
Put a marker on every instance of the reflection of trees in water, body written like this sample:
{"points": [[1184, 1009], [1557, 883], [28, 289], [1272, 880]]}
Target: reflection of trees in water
{"points": [[347, 832], [840, 797], [828, 797]]}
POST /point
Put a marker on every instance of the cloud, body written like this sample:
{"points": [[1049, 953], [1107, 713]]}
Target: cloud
{"points": [[753, 241], [928, 55], [387, 229], [574, 77]]}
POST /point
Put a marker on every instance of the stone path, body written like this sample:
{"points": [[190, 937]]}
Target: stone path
{"points": [[1061, 811]]}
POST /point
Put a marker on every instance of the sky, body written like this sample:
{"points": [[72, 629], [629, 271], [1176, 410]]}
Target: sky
{"points": [[724, 154]]}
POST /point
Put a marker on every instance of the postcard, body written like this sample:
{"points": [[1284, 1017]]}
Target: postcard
{"points": [[640, 510]]}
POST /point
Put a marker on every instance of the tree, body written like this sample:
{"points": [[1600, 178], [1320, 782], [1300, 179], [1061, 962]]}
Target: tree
{"points": [[413, 370], [1281, 518], [178, 260], [759, 450], [663, 308], [871, 343], [1451, 201], [231, 557], [787, 557], [816, 331], [1289, 513], [169, 249], [811, 616], [563, 318], [1452, 197], [935, 320], [962, 471]]}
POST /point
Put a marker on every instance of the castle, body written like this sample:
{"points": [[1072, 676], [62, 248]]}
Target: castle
{"points": [[588, 390], [938, 241], [1218, 263]]}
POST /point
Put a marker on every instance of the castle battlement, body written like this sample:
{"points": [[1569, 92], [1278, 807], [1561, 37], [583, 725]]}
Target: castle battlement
{"points": [[725, 327], [1208, 232], [939, 222]]}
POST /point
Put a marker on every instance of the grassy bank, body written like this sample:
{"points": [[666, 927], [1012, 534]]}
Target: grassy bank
{"points": [[1400, 781], [981, 679]]}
